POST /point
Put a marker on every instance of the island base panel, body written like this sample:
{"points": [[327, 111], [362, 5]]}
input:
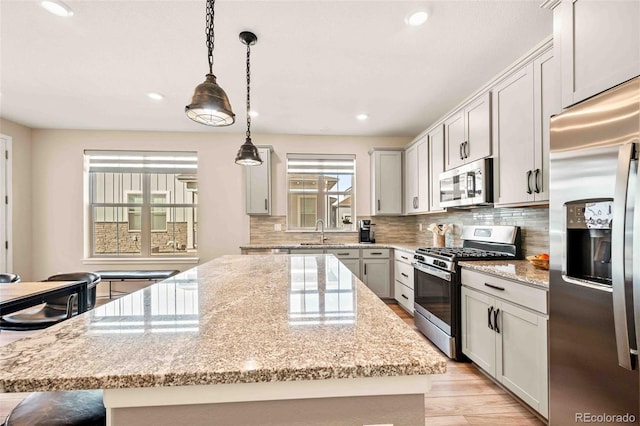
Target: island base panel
{"points": [[398, 410]]}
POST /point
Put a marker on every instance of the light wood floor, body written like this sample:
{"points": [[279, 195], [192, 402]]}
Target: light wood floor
{"points": [[461, 396]]}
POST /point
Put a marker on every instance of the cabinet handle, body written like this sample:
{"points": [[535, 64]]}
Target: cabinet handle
{"points": [[529, 182], [404, 275], [376, 253], [535, 180], [489, 311], [465, 149], [343, 254], [378, 205], [461, 155], [405, 296], [365, 269], [495, 320], [266, 205], [415, 202], [404, 257], [494, 286]]}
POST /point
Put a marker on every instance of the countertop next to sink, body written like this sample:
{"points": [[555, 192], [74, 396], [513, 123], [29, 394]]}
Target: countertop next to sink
{"points": [[517, 270], [410, 248]]}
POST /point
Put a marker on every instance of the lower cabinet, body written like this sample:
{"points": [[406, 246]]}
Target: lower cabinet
{"points": [[375, 274], [403, 280], [508, 341], [349, 257]]}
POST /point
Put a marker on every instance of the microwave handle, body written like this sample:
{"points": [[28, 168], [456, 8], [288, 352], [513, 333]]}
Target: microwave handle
{"points": [[471, 185], [618, 252]]}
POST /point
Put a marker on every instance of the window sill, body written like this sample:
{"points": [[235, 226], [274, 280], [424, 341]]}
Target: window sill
{"points": [[139, 260]]}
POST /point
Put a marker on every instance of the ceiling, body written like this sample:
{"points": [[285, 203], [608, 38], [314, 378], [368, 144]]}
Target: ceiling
{"points": [[315, 66]]}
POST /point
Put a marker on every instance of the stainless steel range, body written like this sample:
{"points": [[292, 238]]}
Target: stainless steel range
{"points": [[437, 280]]}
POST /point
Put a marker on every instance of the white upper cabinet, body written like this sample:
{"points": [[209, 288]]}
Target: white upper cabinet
{"points": [[258, 184], [417, 177], [599, 45], [436, 166], [386, 182], [467, 132], [523, 103]]}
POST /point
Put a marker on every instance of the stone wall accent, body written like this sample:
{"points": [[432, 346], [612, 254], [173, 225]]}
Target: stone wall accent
{"points": [[106, 236], [533, 221]]}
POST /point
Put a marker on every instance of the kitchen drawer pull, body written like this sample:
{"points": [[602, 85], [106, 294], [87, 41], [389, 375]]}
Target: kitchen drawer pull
{"points": [[495, 320], [404, 257], [405, 296], [404, 275], [489, 311], [494, 286], [535, 180], [529, 191], [376, 253], [343, 254]]}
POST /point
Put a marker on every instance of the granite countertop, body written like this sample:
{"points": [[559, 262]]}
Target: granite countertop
{"points": [[396, 246], [518, 270], [236, 319]]}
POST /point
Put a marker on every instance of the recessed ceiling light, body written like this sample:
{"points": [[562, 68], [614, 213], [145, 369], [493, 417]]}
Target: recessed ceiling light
{"points": [[362, 116], [253, 113], [417, 18], [155, 96], [57, 8]]}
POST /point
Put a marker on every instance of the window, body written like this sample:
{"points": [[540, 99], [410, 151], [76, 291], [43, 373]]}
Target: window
{"points": [[142, 204], [320, 187]]}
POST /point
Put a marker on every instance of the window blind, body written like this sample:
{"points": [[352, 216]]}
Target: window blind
{"points": [[141, 161], [321, 164]]}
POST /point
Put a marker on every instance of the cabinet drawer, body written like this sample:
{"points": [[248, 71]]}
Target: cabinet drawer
{"points": [[375, 253], [403, 256], [344, 253], [306, 251], [404, 274], [404, 296], [511, 291]]}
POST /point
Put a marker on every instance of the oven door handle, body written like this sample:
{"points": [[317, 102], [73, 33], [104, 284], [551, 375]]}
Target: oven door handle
{"points": [[430, 270]]}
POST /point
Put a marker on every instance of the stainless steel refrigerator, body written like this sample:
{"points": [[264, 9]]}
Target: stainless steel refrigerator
{"points": [[594, 293]]}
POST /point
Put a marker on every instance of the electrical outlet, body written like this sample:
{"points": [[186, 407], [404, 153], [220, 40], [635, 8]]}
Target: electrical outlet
{"points": [[134, 238], [277, 227], [419, 227]]}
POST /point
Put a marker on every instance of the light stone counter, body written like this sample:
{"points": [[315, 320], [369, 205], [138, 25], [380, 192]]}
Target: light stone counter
{"points": [[519, 270], [236, 329]]}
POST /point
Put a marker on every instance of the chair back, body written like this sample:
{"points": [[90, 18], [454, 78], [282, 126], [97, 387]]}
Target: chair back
{"points": [[92, 279], [9, 278]]}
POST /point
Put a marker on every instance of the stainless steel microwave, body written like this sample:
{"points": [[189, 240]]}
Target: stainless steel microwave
{"points": [[468, 185]]}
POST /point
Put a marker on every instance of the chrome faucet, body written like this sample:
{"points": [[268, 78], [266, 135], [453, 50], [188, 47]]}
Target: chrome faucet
{"points": [[321, 223]]}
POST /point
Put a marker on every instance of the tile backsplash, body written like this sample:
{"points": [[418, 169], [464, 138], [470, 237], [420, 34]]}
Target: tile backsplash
{"points": [[533, 221]]}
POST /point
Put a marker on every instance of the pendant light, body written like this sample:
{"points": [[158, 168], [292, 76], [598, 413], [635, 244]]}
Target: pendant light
{"points": [[210, 104], [248, 153]]}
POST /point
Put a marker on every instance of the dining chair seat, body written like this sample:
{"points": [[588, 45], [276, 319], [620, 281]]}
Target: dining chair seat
{"points": [[63, 408], [9, 278]]}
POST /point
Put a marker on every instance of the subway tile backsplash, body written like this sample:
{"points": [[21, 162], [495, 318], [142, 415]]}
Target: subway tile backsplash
{"points": [[533, 221]]}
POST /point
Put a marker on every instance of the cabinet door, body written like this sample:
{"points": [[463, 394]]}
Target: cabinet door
{"points": [[513, 123], [258, 181], [387, 180], [423, 176], [353, 265], [375, 274], [436, 166], [411, 179], [600, 45], [454, 138], [404, 296], [547, 99], [522, 354], [477, 115], [478, 339]]}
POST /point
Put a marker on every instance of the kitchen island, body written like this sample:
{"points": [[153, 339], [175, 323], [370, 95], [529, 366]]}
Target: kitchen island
{"points": [[238, 340]]}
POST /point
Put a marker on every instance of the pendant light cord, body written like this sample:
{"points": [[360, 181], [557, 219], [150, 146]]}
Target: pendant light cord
{"points": [[209, 33], [248, 133]]}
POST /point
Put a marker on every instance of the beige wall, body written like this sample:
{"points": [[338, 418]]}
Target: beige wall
{"points": [[21, 205], [58, 187]]}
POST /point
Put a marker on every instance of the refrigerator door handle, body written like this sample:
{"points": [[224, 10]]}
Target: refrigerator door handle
{"points": [[620, 315], [636, 249]]}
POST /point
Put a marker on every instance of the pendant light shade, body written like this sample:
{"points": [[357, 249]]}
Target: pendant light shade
{"points": [[248, 153], [210, 104]]}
